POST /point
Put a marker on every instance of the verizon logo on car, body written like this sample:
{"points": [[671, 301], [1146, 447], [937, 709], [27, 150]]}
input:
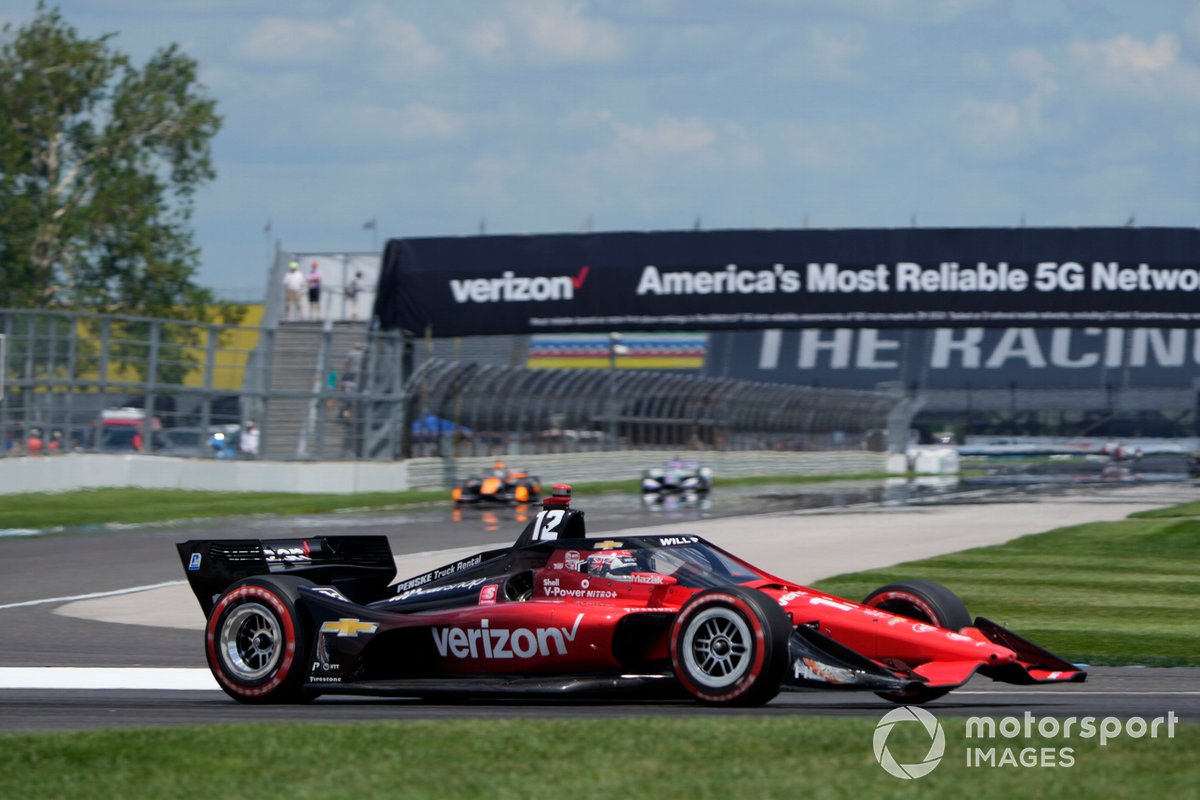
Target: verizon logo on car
{"points": [[513, 288], [487, 642]]}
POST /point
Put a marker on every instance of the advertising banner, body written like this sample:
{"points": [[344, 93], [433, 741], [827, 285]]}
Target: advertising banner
{"points": [[753, 279], [960, 358]]}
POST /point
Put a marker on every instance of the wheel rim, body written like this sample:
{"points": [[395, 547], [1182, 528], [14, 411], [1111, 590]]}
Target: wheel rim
{"points": [[717, 648], [251, 641]]}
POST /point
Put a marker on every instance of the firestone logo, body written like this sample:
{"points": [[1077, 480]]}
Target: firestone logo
{"points": [[513, 288], [937, 745]]}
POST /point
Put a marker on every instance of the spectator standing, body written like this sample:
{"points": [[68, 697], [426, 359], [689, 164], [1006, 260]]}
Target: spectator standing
{"points": [[249, 440], [352, 290], [314, 291], [293, 288]]}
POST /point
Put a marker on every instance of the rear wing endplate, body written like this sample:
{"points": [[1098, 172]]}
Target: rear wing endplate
{"points": [[358, 565]]}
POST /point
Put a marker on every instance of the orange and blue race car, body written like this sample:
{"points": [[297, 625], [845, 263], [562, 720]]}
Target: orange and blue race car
{"points": [[563, 614], [498, 485]]}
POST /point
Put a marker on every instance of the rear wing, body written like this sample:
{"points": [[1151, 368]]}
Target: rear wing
{"points": [[360, 566]]}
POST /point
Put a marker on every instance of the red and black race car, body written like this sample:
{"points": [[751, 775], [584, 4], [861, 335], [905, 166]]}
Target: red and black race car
{"points": [[560, 613]]}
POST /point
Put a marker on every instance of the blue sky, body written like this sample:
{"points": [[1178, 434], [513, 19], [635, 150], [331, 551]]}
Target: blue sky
{"points": [[533, 116]]}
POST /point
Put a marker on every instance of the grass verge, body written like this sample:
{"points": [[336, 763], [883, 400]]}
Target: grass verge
{"points": [[38, 510], [1102, 593], [785, 757]]}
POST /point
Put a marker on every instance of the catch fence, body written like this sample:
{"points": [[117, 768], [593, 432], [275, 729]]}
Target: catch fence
{"points": [[335, 390]]}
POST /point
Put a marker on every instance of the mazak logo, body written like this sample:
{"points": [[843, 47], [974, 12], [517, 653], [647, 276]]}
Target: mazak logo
{"points": [[513, 288], [933, 728], [274, 555], [488, 642]]}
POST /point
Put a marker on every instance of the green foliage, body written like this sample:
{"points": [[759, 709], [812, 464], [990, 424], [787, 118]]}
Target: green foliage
{"points": [[100, 160]]}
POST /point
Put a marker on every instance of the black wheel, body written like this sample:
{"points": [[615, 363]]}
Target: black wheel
{"points": [[730, 646], [257, 641], [924, 601]]}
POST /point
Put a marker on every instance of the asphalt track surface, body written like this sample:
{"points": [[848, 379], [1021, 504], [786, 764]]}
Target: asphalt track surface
{"points": [[41, 574]]}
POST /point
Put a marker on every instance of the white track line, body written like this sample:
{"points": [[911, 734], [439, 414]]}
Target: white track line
{"points": [[91, 595], [174, 679], [1053, 691]]}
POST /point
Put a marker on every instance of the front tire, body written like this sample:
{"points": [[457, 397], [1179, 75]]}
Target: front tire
{"points": [[257, 641], [729, 646], [924, 601]]}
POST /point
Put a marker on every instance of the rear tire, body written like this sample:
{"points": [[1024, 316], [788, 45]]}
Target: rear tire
{"points": [[257, 641], [924, 601], [729, 646]]}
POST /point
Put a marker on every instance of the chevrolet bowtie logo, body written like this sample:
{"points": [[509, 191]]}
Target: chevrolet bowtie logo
{"points": [[349, 627], [607, 544]]}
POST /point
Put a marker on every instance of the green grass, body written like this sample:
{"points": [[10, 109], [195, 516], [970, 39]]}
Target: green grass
{"points": [[1182, 510], [100, 506], [728, 757], [1125, 592], [38, 510]]}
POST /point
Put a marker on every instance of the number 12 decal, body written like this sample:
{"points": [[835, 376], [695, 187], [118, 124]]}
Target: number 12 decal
{"points": [[545, 526]]}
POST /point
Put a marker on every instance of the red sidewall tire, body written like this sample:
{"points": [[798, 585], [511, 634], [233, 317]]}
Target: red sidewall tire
{"points": [[924, 601], [750, 615], [282, 682]]}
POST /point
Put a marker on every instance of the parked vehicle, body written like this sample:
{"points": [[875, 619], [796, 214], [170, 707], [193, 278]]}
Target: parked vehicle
{"points": [[121, 431]]}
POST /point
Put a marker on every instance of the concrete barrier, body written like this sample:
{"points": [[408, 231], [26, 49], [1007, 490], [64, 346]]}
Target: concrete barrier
{"points": [[97, 471]]}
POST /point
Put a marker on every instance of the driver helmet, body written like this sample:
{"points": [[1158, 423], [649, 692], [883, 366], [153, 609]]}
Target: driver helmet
{"points": [[612, 564]]}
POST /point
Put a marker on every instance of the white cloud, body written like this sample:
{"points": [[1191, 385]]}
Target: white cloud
{"points": [[999, 128], [834, 54], [826, 146], [413, 121], [989, 127], [486, 38], [1125, 55], [401, 43], [283, 40], [1153, 70], [556, 31], [420, 121], [636, 165], [667, 136]]}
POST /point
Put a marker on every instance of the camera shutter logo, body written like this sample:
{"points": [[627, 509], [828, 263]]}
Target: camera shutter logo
{"points": [[932, 727]]}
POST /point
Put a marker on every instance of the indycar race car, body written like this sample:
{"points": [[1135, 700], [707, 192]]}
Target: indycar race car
{"points": [[677, 477], [560, 613], [499, 485]]}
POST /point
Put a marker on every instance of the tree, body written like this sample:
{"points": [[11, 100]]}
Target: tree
{"points": [[99, 165]]}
